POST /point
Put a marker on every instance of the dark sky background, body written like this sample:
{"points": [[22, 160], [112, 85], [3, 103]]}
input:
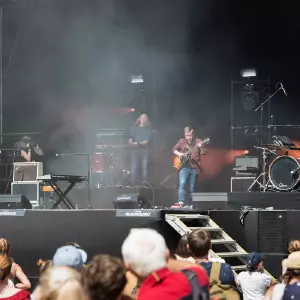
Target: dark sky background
{"points": [[66, 63]]}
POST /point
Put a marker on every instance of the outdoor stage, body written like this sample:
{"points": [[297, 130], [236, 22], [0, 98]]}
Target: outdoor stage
{"points": [[35, 234]]}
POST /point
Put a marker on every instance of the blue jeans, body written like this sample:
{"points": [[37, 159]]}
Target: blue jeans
{"points": [[139, 158], [187, 176]]}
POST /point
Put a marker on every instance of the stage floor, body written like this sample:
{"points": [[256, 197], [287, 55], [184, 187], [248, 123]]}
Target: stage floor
{"points": [[103, 198]]}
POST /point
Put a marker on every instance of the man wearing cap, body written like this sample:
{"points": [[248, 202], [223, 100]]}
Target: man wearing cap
{"points": [[254, 282], [70, 256]]}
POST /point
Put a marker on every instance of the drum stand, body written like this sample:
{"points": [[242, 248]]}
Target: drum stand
{"points": [[263, 186]]}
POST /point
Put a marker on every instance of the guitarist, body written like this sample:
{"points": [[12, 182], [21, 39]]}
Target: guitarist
{"points": [[189, 149]]}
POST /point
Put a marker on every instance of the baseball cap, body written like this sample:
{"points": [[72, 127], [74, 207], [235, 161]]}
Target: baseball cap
{"points": [[70, 256], [293, 260], [254, 259]]}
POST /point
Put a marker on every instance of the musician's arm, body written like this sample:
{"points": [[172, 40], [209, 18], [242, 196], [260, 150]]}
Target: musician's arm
{"points": [[203, 151], [177, 149], [25, 155], [38, 151]]}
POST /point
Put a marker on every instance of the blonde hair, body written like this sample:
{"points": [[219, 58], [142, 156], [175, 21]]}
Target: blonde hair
{"points": [[5, 266], [147, 123], [60, 283], [4, 246], [44, 264], [294, 246]]}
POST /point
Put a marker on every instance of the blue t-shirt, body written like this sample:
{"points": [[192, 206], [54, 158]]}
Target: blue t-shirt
{"points": [[140, 134], [292, 291], [226, 274]]}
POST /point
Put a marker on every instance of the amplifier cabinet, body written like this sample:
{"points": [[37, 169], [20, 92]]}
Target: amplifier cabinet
{"points": [[241, 184], [31, 190], [27, 171]]}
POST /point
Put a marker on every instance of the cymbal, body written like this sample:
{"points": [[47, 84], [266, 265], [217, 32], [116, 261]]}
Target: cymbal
{"points": [[274, 146]]}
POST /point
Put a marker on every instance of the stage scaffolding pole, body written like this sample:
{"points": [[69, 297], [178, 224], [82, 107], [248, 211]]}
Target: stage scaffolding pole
{"points": [[1, 73]]}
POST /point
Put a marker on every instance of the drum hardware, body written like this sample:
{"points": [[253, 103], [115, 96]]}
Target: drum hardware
{"points": [[264, 173]]}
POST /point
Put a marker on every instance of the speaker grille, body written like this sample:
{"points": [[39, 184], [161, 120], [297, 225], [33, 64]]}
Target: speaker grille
{"points": [[272, 232]]}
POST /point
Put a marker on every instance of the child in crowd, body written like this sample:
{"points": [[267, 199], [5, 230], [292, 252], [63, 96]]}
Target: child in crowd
{"points": [[254, 282]]}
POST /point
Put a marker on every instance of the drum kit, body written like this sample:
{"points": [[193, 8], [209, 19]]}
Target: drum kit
{"points": [[280, 169]]}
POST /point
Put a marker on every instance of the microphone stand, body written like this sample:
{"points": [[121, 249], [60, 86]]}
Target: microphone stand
{"points": [[88, 155], [261, 107]]}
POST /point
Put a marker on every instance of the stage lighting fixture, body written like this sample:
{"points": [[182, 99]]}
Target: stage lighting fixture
{"points": [[137, 79], [250, 97], [249, 72]]}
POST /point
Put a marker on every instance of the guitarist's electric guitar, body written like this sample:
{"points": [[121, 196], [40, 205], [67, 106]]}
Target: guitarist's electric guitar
{"points": [[180, 161]]}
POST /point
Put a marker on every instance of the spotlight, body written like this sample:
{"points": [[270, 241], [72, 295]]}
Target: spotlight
{"points": [[246, 152], [132, 109], [136, 79], [249, 72]]}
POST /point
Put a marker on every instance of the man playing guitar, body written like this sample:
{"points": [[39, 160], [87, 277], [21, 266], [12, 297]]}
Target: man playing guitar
{"points": [[189, 150]]}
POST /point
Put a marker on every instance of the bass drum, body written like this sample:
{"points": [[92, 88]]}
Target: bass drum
{"points": [[281, 173]]}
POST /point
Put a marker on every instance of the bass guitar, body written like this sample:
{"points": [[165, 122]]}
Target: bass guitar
{"points": [[180, 161]]}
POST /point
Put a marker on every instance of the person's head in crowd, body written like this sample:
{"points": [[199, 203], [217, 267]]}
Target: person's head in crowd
{"points": [[294, 246], [293, 268], [199, 242], [292, 277], [182, 251], [70, 256], [59, 283], [74, 244], [144, 252], [5, 267], [104, 278], [44, 264], [4, 246], [254, 262]]}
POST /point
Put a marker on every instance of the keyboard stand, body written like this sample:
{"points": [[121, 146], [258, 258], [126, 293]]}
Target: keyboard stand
{"points": [[62, 196]]}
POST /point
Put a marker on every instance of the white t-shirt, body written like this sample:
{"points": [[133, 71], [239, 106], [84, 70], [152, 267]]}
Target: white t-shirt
{"points": [[254, 284]]}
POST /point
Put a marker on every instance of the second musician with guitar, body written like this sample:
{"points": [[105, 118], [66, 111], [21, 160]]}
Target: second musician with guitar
{"points": [[189, 150]]}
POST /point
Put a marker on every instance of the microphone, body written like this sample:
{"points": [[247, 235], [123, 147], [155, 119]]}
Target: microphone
{"points": [[281, 86]]}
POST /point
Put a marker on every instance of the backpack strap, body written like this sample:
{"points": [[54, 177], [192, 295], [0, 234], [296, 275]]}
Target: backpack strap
{"points": [[198, 292], [214, 276]]}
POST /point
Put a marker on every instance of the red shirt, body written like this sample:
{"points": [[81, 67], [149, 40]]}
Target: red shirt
{"points": [[167, 285], [182, 146], [21, 295]]}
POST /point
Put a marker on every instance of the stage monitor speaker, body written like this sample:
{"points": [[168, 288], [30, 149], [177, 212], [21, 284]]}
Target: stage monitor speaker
{"points": [[14, 202], [127, 201], [210, 201]]}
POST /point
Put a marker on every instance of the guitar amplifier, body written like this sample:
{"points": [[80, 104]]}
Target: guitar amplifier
{"points": [[27, 171]]}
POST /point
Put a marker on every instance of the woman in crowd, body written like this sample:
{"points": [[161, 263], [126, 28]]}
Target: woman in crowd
{"points": [[16, 270], [7, 292], [59, 283], [254, 282], [293, 247], [182, 250], [290, 287]]}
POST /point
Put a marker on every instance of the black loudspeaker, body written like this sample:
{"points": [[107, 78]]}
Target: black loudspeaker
{"points": [[14, 202], [210, 201], [127, 201]]}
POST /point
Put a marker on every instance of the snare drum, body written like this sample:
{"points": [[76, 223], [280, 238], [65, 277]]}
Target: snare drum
{"points": [[101, 162], [283, 173]]}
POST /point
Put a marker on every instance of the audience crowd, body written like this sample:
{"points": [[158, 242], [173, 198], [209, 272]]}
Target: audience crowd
{"points": [[148, 271]]}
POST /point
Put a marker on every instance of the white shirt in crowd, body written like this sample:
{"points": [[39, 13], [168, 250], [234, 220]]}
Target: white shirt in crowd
{"points": [[254, 284]]}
